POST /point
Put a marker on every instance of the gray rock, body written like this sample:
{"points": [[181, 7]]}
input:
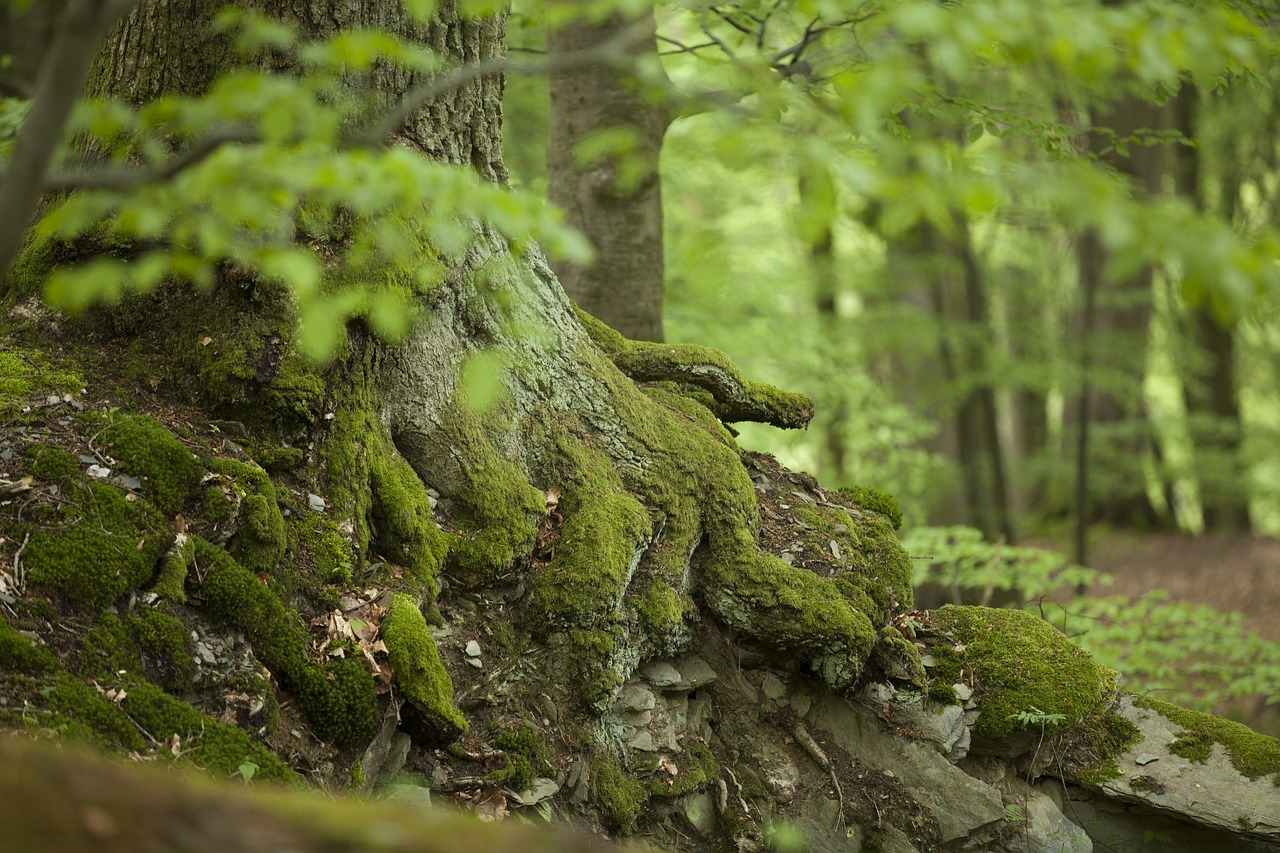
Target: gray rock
{"points": [[473, 649], [541, 788], [961, 803], [699, 812], [660, 674], [315, 503], [945, 726], [413, 795], [642, 742], [963, 692], [800, 703], [1211, 793], [694, 673], [772, 686], [636, 697]]}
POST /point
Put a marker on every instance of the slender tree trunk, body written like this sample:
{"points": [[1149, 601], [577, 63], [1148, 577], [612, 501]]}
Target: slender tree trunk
{"points": [[615, 201], [1209, 383]]}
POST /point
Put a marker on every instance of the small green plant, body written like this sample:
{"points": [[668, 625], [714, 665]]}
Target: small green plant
{"points": [[1013, 813], [246, 771], [1033, 716]]}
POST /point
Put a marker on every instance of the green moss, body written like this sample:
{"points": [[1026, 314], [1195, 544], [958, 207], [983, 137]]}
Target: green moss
{"points": [[164, 643], [85, 714], [603, 536], [733, 396], [25, 372], [340, 700], [698, 769], [356, 779], [1019, 662], [1254, 755], [96, 546], [52, 463], [419, 672], [143, 447], [876, 501], [526, 754], [1099, 739], [618, 797], [661, 609], [19, 653], [314, 542], [899, 658], [260, 540], [217, 747], [501, 509], [215, 506], [279, 459], [401, 511], [171, 581]]}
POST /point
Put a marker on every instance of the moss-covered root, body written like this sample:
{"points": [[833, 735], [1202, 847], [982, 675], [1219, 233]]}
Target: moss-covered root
{"points": [[605, 533], [420, 674], [260, 539], [340, 700], [1020, 664], [793, 609], [734, 398], [142, 446], [401, 513]]}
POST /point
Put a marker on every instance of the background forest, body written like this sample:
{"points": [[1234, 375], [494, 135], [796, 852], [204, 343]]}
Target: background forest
{"points": [[1022, 304]]}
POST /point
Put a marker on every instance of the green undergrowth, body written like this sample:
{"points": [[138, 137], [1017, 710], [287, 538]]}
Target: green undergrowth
{"points": [[1254, 755], [28, 371], [339, 698], [1018, 663], [526, 755], [419, 673]]}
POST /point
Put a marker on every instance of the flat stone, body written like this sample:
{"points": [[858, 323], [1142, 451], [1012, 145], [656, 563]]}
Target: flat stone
{"points": [[773, 687], [540, 789], [963, 692], [1145, 758], [660, 674], [473, 649], [699, 812], [800, 703], [642, 742], [694, 673], [635, 697], [475, 662], [315, 503]]}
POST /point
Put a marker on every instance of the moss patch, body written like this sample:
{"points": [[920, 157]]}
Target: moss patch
{"points": [[143, 447], [340, 700], [19, 653], [1019, 662], [96, 546], [401, 512], [52, 463], [1254, 755], [419, 672], [618, 797], [875, 500], [260, 539]]}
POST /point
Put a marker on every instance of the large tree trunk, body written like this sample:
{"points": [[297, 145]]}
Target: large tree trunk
{"points": [[616, 201]]}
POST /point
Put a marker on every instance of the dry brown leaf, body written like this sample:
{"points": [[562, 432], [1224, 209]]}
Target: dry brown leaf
{"points": [[665, 763], [490, 805], [553, 499], [205, 341]]}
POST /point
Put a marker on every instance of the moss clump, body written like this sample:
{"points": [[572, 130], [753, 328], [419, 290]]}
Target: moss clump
{"points": [[419, 672], [52, 463], [1019, 662], [259, 543], [85, 714], [19, 653], [698, 769], [733, 396], [171, 580], [217, 747], [502, 510], [340, 700], [876, 501], [600, 544], [165, 647], [143, 447], [1098, 740], [1254, 755], [899, 658], [401, 513], [314, 542], [27, 371], [661, 610], [526, 753], [279, 459], [105, 546], [215, 506], [618, 797]]}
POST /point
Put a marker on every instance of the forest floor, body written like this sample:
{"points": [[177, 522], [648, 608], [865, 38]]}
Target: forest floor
{"points": [[1230, 573]]}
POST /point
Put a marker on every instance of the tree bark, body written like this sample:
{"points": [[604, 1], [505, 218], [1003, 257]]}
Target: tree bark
{"points": [[617, 201]]}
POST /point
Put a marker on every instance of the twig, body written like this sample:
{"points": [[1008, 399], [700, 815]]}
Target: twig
{"points": [[17, 561], [811, 746]]}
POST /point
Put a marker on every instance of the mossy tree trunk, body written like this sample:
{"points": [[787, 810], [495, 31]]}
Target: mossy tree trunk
{"points": [[645, 474]]}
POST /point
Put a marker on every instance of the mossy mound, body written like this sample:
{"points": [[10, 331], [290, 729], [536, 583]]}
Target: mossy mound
{"points": [[19, 653], [143, 447], [1019, 664], [95, 546]]}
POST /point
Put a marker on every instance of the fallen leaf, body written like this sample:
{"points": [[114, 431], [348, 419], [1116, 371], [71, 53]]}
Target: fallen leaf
{"points": [[668, 765], [490, 805], [205, 341], [553, 499]]}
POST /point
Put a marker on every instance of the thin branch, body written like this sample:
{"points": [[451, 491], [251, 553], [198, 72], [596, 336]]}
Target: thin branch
{"points": [[724, 16], [681, 47], [370, 136], [706, 30]]}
